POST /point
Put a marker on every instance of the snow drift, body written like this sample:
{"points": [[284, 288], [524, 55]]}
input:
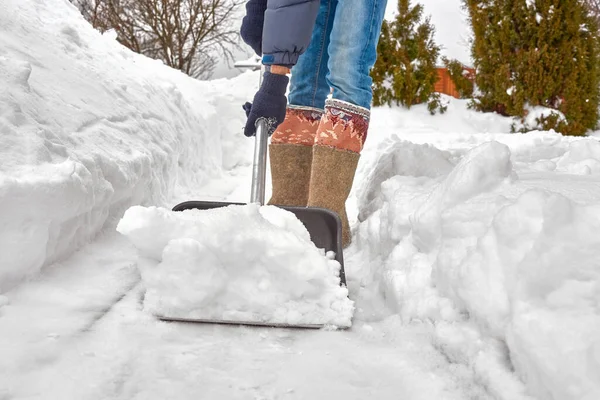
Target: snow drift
{"points": [[88, 128], [495, 262]]}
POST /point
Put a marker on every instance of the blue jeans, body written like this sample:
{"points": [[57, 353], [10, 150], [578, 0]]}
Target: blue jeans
{"points": [[342, 51]]}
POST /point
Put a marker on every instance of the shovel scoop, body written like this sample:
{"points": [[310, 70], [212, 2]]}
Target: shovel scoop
{"points": [[323, 226]]}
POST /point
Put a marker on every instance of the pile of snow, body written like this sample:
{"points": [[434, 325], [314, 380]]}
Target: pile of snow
{"points": [[581, 158], [509, 273], [237, 263], [533, 280], [89, 128]]}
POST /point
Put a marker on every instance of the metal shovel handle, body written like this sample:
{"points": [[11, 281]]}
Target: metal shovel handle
{"points": [[259, 166]]}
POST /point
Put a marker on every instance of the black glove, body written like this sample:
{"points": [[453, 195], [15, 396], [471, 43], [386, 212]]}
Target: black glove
{"points": [[269, 103], [252, 24]]}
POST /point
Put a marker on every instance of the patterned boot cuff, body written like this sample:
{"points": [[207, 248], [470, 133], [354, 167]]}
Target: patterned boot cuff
{"points": [[299, 127], [348, 107], [344, 126]]}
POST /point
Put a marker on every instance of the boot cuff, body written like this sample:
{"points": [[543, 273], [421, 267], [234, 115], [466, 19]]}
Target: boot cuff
{"points": [[344, 126], [348, 107], [299, 127]]}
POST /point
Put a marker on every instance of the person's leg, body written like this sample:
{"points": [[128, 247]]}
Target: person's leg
{"points": [[343, 128], [353, 50], [290, 150], [308, 84]]}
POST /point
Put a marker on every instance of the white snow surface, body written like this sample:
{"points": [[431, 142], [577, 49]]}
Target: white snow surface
{"points": [[268, 271], [474, 266], [88, 128], [498, 255]]}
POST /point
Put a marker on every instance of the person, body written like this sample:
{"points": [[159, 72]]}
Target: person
{"points": [[330, 47]]}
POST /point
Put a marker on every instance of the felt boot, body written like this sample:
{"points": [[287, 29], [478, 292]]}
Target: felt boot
{"points": [[290, 154], [339, 140]]}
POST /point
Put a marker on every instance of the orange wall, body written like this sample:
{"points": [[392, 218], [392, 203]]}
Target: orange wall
{"points": [[445, 84]]}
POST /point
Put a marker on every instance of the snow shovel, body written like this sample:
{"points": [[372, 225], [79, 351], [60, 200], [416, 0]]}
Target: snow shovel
{"points": [[324, 226]]}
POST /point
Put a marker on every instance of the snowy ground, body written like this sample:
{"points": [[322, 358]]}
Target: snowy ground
{"points": [[474, 267]]}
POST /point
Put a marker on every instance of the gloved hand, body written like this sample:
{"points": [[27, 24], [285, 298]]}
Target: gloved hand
{"points": [[269, 103], [252, 24]]}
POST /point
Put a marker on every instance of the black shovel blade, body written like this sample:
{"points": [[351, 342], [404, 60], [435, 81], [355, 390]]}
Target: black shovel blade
{"points": [[242, 323], [324, 226]]}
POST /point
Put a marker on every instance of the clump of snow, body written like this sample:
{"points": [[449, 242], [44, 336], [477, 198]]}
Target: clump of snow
{"points": [[237, 263]]}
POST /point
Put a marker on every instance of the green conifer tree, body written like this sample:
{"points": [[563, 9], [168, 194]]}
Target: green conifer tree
{"points": [[405, 71], [537, 53]]}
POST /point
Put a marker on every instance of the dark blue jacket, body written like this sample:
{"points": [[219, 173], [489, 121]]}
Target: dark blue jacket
{"points": [[287, 30]]}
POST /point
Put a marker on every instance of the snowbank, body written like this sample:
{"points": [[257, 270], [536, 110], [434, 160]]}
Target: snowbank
{"points": [[539, 258], [508, 271], [238, 263], [88, 128]]}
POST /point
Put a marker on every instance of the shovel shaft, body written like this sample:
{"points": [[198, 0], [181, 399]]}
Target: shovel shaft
{"points": [[259, 166]]}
